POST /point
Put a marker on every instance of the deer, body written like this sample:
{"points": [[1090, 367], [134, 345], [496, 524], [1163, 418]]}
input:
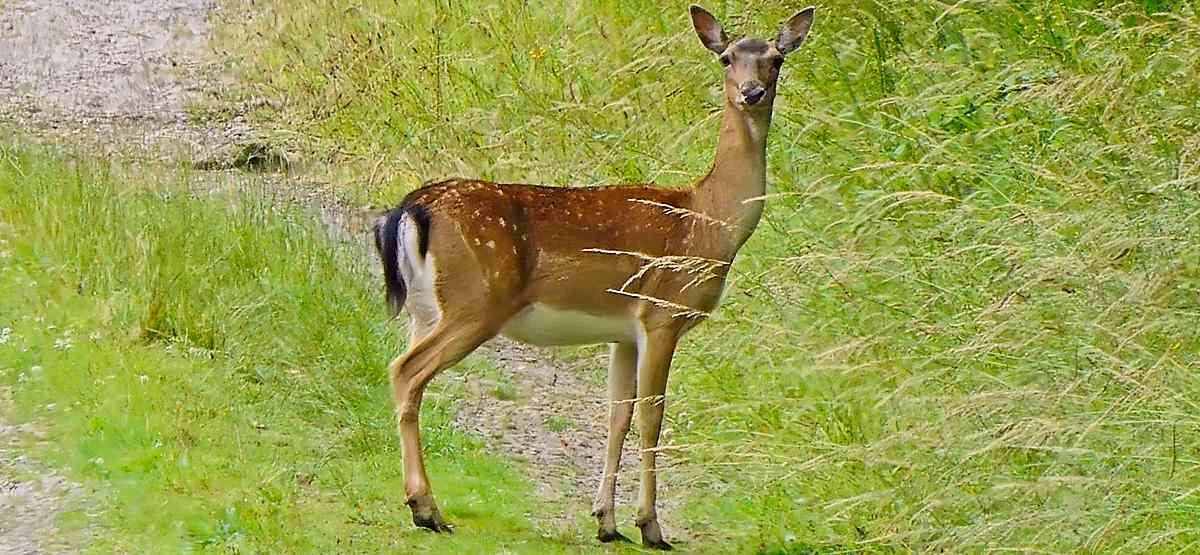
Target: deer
{"points": [[632, 266]]}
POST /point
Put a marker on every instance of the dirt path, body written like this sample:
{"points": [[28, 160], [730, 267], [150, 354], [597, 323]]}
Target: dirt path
{"points": [[115, 76], [556, 420], [31, 496], [112, 75]]}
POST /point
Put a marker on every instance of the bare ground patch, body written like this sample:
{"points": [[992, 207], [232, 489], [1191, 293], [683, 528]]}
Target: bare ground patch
{"points": [[113, 76], [556, 420], [32, 497]]}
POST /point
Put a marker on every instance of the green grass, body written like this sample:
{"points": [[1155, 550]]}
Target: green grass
{"points": [[212, 367], [968, 320], [557, 423]]}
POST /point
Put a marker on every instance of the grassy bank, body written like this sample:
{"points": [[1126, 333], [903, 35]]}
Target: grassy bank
{"points": [[969, 318], [210, 365]]}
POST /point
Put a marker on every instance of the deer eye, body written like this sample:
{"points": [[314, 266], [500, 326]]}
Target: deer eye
{"points": [[725, 60]]}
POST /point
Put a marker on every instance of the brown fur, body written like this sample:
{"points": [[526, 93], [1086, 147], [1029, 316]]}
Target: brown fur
{"points": [[527, 241]]}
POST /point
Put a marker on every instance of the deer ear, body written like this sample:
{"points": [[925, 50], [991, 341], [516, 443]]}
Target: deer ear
{"points": [[709, 31], [795, 30]]}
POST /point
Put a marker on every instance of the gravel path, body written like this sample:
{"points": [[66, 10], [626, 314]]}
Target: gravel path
{"points": [[31, 497], [113, 75], [552, 418]]}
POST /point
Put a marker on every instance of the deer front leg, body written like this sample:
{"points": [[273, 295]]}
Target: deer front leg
{"points": [[622, 377], [654, 363]]}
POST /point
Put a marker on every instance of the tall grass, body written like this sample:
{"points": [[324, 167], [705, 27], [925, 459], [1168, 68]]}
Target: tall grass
{"points": [[211, 365], [968, 321]]}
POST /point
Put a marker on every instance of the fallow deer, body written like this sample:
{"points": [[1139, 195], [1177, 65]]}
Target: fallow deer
{"points": [[633, 266]]}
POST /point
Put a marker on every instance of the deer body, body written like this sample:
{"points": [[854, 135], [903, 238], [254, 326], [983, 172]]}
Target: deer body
{"points": [[633, 266]]}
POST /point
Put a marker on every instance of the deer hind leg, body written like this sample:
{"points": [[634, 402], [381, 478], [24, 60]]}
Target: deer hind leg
{"points": [[654, 363], [443, 346], [622, 379]]}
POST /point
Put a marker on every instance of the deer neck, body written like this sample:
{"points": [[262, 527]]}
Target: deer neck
{"points": [[733, 189]]}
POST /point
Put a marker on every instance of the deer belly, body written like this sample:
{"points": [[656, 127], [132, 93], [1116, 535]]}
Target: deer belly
{"points": [[542, 325]]}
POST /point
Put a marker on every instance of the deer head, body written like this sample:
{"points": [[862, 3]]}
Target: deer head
{"points": [[751, 64]]}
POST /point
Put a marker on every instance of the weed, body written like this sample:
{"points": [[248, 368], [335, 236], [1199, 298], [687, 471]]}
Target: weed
{"points": [[966, 323], [556, 423], [967, 319]]}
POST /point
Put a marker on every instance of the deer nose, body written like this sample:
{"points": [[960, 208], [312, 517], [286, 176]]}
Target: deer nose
{"points": [[753, 93]]}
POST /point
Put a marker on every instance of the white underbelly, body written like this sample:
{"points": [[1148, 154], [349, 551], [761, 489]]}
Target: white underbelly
{"points": [[542, 325]]}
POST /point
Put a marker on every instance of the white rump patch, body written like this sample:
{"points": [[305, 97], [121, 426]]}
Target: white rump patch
{"points": [[418, 273]]}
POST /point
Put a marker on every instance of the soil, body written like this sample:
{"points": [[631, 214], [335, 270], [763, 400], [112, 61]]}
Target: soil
{"points": [[115, 77], [31, 496], [112, 75], [556, 420]]}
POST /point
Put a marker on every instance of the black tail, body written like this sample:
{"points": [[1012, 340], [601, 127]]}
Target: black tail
{"points": [[387, 242]]}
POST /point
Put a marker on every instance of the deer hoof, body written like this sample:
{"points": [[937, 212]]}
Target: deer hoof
{"points": [[426, 515], [652, 536], [609, 536]]}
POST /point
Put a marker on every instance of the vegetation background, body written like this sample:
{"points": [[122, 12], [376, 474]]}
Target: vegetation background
{"points": [[968, 321]]}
